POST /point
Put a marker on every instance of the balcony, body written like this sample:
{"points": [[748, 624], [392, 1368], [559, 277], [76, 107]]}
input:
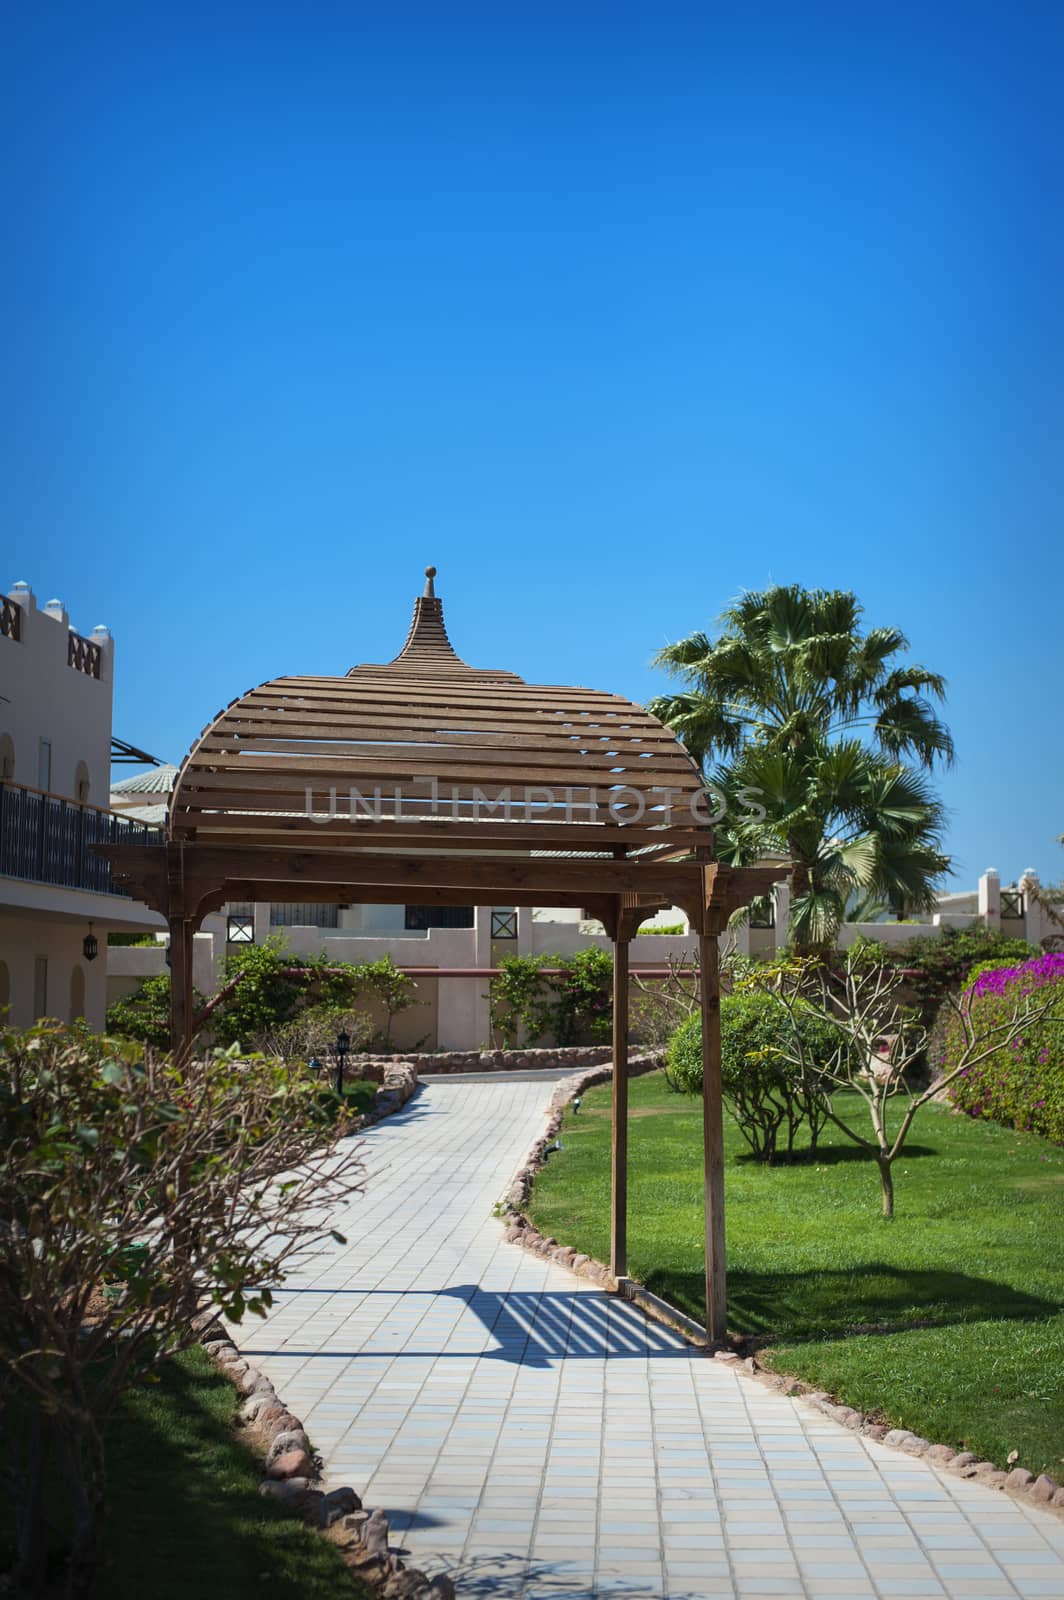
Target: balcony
{"points": [[46, 839]]}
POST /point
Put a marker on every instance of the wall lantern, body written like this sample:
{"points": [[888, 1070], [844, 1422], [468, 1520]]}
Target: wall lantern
{"points": [[90, 945]]}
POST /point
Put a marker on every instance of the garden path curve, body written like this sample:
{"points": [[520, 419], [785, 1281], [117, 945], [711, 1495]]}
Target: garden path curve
{"points": [[534, 1436]]}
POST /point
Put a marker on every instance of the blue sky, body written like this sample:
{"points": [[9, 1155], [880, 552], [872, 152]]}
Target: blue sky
{"points": [[609, 311]]}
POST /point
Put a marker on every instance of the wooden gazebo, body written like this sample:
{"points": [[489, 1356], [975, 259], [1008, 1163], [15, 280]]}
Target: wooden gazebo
{"points": [[427, 779]]}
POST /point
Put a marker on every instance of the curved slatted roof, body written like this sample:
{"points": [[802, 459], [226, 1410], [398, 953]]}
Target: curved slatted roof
{"points": [[427, 751]]}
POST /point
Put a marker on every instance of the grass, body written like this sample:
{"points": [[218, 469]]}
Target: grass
{"points": [[185, 1514], [185, 1491], [947, 1320]]}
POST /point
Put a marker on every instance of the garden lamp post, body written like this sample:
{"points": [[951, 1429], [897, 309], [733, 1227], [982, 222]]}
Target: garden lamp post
{"points": [[343, 1046]]}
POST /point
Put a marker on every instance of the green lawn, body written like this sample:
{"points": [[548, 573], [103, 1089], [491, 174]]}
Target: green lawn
{"points": [[186, 1514], [948, 1320]]}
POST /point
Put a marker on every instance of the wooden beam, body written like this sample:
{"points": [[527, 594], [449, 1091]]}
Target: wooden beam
{"points": [[481, 881], [713, 1142], [181, 936], [619, 1148]]}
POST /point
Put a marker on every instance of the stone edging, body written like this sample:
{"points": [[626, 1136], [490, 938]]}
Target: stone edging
{"points": [[1043, 1490], [520, 1230], [289, 1466], [289, 1473], [398, 1081], [454, 1062]]}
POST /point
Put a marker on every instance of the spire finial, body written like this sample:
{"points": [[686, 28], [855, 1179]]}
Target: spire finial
{"points": [[430, 592]]}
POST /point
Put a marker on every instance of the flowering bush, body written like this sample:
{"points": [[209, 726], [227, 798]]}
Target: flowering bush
{"points": [[1022, 1084]]}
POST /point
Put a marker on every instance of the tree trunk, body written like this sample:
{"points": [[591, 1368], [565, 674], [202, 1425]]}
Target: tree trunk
{"points": [[88, 1488], [31, 1560], [886, 1178]]}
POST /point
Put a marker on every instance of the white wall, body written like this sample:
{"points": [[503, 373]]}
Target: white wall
{"points": [[24, 939], [45, 698]]}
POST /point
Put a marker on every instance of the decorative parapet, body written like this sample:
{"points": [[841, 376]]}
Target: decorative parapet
{"points": [[84, 655], [10, 618]]}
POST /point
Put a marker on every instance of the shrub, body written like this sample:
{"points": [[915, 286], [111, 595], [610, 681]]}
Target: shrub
{"points": [[571, 1005], [762, 1090], [136, 1196], [942, 961], [1022, 1084], [145, 1015], [313, 1033]]}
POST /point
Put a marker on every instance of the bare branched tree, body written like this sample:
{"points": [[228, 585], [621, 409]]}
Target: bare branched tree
{"points": [[879, 1042], [137, 1196], [661, 1003]]}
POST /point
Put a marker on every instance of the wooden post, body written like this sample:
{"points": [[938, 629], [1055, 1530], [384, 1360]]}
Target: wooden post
{"points": [[181, 931], [713, 1140], [619, 1170]]}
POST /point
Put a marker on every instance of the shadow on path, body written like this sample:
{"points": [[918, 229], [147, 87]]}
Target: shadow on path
{"points": [[528, 1327]]}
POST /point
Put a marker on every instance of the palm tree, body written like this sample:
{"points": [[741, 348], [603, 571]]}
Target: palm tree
{"points": [[819, 742]]}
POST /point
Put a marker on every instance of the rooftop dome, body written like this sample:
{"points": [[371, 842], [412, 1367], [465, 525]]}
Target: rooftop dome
{"points": [[158, 780], [427, 750]]}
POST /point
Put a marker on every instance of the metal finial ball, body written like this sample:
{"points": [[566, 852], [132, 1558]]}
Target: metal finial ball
{"points": [[430, 572]]}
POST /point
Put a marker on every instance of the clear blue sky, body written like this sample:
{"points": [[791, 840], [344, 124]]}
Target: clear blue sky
{"points": [[610, 311]]}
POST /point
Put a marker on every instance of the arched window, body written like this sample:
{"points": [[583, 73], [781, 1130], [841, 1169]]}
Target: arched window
{"points": [[77, 992], [7, 757], [81, 784]]}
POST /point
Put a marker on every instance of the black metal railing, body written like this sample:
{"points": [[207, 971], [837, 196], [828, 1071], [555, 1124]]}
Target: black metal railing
{"points": [[50, 840]]}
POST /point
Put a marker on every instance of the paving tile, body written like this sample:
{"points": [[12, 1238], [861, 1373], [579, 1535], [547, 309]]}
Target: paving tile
{"points": [[538, 1439]]}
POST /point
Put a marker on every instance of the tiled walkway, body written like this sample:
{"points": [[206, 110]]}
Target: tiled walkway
{"points": [[536, 1437]]}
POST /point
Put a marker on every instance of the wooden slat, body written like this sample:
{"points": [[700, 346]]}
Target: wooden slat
{"points": [[288, 773], [430, 730], [328, 738], [548, 699]]}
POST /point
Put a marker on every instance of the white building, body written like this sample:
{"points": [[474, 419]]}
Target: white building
{"points": [[57, 904]]}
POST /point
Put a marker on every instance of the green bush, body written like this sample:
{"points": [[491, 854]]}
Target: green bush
{"points": [[1022, 1084], [313, 1032], [572, 1005], [276, 991], [763, 1092], [145, 1015], [942, 961]]}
